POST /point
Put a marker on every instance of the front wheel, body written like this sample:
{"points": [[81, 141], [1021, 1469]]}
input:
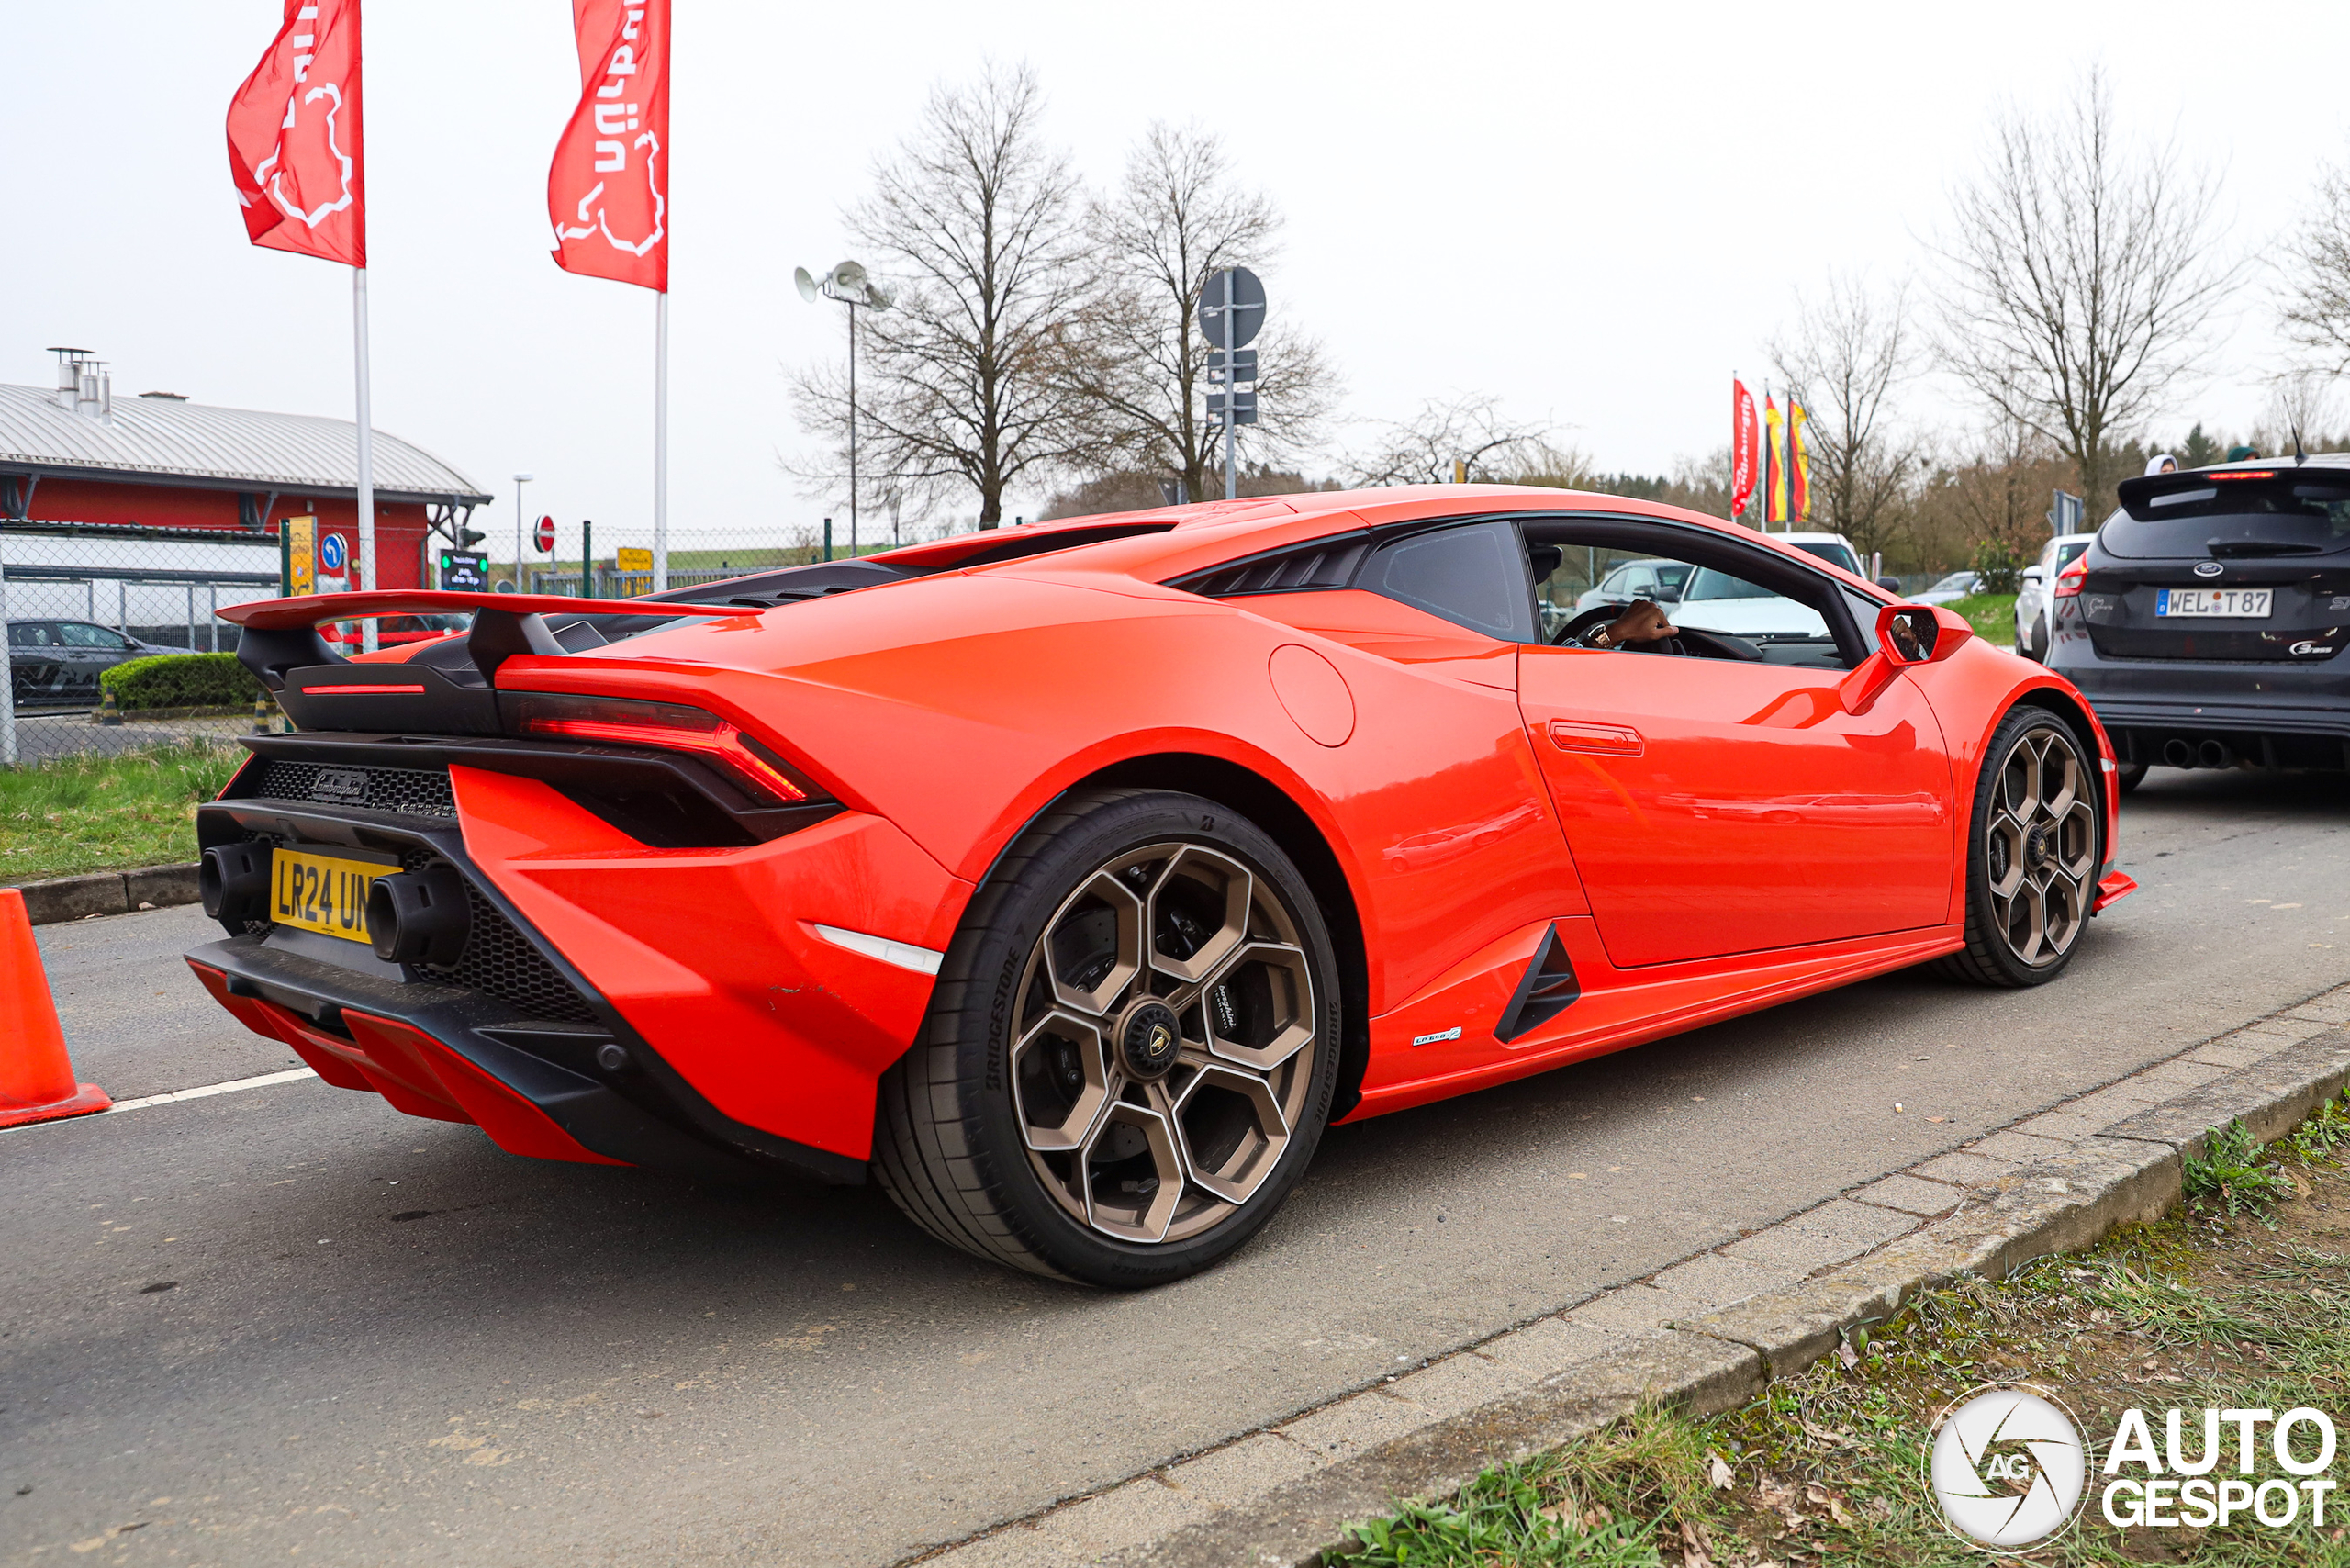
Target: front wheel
{"points": [[2035, 841], [1131, 1051]]}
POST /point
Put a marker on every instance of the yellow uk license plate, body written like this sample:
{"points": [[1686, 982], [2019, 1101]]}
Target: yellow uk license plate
{"points": [[323, 892]]}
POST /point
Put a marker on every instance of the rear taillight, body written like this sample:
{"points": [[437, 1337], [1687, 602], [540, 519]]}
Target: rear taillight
{"points": [[2069, 580], [670, 726]]}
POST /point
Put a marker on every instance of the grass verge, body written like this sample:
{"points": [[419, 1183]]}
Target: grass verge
{"points": [[85, 813], [1992, 616], [2241, 1299]]}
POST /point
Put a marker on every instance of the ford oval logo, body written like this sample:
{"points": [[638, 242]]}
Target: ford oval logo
{"points": [[2209, 568]]}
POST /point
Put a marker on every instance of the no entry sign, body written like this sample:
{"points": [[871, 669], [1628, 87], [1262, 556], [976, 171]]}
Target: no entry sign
{"points": [[543, 534]]}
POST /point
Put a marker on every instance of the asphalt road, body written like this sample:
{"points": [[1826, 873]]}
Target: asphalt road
{"points": [[289, 1318]]}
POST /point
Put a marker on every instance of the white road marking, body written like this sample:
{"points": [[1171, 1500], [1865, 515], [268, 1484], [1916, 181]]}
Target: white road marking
{"points": [[264, 1081]]}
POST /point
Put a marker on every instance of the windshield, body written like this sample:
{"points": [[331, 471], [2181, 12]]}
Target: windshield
{"points": [[1957, 582], [1835, 554], [2235, 519]]}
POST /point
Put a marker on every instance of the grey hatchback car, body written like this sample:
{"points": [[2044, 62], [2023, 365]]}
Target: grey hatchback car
{"points": [[2206, 622], [58, 662]]}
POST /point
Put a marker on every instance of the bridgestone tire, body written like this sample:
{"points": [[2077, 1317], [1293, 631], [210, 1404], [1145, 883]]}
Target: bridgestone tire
{"points": [[951, 1140], [1989, 957]]}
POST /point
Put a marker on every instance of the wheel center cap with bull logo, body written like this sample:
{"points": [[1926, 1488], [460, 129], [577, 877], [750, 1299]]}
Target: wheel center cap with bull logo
{"points": [[1149, 1039]]}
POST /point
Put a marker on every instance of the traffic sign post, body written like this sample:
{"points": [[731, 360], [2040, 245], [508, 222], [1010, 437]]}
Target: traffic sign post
{"points": [[1232, 309], [543, 535], [465, 571]]}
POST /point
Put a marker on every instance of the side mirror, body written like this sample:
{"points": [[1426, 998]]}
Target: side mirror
{"points": [[2032, 574], [1920, 634], [1890, 585]]}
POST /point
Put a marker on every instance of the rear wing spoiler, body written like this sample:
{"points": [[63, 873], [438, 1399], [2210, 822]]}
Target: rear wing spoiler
{"points": [[281, 634], [320, 688]]}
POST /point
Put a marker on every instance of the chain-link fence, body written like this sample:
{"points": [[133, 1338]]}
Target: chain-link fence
{"points": [[79, 603], [622, 556]]}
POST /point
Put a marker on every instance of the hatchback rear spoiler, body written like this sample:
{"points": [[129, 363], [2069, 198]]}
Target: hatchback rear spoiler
{"points": [[281, 634]]}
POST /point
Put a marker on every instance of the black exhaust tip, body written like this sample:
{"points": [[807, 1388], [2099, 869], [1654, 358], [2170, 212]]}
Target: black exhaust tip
{"points": [[232, 881], [2214, 754], [2177, 754], [419, 918]]}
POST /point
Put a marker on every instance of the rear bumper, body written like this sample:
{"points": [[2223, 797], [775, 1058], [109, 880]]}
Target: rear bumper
{"points": [[449, 1054], [677, 1008], [2275, 714]]}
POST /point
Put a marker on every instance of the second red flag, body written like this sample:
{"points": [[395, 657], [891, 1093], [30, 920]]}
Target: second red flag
{"points": [[606, 188]]}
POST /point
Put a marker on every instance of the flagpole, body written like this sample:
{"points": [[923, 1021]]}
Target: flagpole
{"points": [[366, 443], [661, 442]]}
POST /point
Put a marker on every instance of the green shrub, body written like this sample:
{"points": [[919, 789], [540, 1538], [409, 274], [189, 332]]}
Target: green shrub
{"points": [[181, 680], [1999, 566]]}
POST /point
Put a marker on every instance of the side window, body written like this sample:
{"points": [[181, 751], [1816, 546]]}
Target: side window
{"points": [[1742, 604], [81, 634], [1474, 574]]}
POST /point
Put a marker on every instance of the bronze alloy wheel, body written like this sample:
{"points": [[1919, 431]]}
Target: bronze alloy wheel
{"points": [[1131, 1050], [1164, 1042], [2040, 846], [2036, 845]]}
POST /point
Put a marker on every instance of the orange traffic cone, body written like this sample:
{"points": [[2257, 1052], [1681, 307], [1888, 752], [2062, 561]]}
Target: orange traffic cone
{"points": [[36, 1078]]}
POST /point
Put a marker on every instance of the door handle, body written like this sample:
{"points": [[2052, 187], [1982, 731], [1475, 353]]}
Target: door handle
{"points": [[1602, 740]]}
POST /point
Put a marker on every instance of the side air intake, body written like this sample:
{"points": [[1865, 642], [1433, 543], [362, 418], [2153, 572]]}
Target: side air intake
{"points": [[1549, 989]]}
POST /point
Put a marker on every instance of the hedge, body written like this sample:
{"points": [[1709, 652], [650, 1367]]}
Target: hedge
{"points": [[181, 680]]}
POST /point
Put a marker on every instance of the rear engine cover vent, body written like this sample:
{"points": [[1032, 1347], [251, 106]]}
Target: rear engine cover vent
{"points": [[411, 792], [1549, 989]]}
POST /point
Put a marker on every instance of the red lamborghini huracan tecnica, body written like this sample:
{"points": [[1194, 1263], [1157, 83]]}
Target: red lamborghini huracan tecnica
{"points": [[1070, 878]]}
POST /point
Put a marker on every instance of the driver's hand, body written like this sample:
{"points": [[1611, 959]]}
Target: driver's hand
{"points": [[1644, 623]]}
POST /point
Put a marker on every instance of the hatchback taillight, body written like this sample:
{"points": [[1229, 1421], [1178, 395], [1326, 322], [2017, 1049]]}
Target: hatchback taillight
{"points": [[2069, 580], [669, 726]]}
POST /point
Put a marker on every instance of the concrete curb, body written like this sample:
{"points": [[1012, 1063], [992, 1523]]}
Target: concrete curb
{"points": [[1707, 1334], [109, 892]]}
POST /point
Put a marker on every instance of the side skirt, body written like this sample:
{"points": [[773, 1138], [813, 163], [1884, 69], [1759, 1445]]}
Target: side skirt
{"points": [[1457, 1019]]}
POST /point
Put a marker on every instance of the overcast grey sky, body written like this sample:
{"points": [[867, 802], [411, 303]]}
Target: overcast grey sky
{"points": [[1596, 213]]}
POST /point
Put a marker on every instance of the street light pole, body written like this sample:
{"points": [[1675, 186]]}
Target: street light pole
{"points": [[852, 430], [519, 480], [852, 287]]}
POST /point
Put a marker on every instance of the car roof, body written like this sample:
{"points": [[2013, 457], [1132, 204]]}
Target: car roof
{"points": [[1164, 543]]}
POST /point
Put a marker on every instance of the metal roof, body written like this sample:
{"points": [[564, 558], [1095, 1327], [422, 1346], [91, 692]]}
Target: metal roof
{"points": [[165, 441]]}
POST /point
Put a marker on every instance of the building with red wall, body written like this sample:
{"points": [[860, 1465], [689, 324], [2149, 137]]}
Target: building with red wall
{"points": [[76, 463]]}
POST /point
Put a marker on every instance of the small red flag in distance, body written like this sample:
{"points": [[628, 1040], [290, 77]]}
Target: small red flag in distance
{"points": [[294, 148], [1742, 441], [607, 189]]}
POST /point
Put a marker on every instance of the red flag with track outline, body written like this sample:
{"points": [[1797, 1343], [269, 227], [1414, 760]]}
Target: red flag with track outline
{"points": [[607, 189], [1742, 441], [294, 148]]}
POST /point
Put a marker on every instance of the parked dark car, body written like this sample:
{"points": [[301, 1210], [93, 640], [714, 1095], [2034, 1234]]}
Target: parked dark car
{"points": [[58, 662], [2206, 622]]}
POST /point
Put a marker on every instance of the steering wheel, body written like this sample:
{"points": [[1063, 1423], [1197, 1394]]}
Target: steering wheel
{"points": [[1600, 614]]}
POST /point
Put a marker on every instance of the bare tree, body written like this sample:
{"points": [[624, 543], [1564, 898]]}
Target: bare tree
{"points": [[2317, 290], [1469, 430], [2078, 276], [1996, 493], [1176, 220], [977, 376], [1848, 351]]}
